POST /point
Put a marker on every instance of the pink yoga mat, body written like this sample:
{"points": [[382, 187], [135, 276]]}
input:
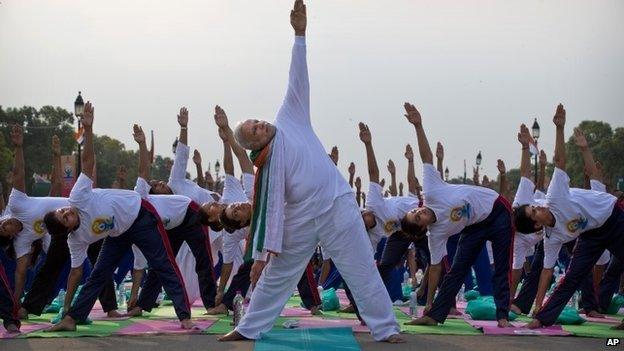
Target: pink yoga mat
{"points": [[419, 312], [25, 329], [150, 327], [342, 297], [99, 315], [606, 320], [295, 312], [491, 328], [316, 322]]}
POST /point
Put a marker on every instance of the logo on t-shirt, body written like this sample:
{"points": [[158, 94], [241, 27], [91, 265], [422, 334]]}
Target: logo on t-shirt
{"points": [[100, 225], [577, 224], [460, 212], [39, 227]]}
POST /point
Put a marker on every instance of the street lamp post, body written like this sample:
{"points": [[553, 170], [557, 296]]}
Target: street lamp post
{"points": [[535, 129], [78, 110], [446, 174]]}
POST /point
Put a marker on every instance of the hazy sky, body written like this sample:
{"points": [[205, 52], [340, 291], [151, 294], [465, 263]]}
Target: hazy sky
{"points": [[475, 69]]}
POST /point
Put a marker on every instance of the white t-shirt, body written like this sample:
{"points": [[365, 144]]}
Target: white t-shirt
{"points": [[524, 243], [568, 202], [233, 192], [30, 212], [182, 186], [248, 185], [102, 212], [455, 207], [312, 180], [388, 212], [171, 208]]}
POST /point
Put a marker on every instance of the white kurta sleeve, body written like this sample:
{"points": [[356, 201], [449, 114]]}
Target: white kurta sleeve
{"points": [[296, 104], [142, 187], [178, 170]]}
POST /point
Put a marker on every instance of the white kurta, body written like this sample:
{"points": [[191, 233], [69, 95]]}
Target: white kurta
{"points": [[320, 208]]}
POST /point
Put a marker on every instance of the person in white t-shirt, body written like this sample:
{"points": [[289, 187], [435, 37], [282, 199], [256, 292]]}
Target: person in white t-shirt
{"points": [[180, 217], [307, 202], [121, 218], [479, 214], [590, 215]]}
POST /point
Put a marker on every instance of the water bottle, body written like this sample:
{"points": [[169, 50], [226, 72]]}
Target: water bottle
{"points": [[413, 304], [121, 296], [239, 312]]}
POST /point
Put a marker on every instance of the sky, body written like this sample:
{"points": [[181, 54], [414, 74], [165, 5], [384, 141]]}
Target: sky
{"points": [[475, 69]]}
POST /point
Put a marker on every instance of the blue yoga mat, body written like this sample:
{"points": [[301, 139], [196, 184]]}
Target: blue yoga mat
{"points": [[320, 339]]}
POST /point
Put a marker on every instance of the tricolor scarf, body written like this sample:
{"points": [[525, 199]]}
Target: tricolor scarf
{"points": [[267, 221]]}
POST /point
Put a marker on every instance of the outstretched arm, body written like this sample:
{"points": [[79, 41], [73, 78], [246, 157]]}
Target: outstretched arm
{"points": [[17, 137], [351, 174], [525, 139], [588, 158], [559, 121], [243, 159], [183, 122], [502, 173], [412, 182], [393, 183], [144, 162], [88, 153], [366, 138], [440, 159], [297, 101], [228, 162], [541, 179], [198, 167], [413, 116], [358, 191]]}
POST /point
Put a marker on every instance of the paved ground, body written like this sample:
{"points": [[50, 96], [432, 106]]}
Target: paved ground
{"points": [[209, 342]]}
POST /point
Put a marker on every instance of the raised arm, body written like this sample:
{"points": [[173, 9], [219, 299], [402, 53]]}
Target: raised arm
{"points": [[57, 183], [144, 163], [121, 176], [334, 155], [183, 122], [358, 191], [541, 179], [412, 182], [559, 120], [413, 116], [351, 174], [228, 162], [393, 183], [440, 159], [243, 159], [88, 153], [502, 177], [17, 137], [588, 158], [198, 167], [297, 101], [525, 139], [366, 138]]}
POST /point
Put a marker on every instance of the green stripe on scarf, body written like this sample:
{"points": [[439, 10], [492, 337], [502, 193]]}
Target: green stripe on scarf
{"points": [[257, 228]]}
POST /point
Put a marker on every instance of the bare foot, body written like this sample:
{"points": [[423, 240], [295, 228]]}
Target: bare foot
{"points": [[395, 339], [315, 311], [12, 328], [348, 309], [188, 324], [232, 336], [424, 320], [135, 312], [594, 314], [219, 309], [534, 324], [515, 309], [619, 326], [114, 314], [503, 323], [22, 313], [66, 324]]}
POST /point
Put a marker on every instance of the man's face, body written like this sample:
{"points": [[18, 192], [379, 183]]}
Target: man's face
{"points": [[257, 133], [160, 187], [10, 227], [213, 210], [541, 215], [369, 219], [68, 217], [239, 212], [421, 216]]}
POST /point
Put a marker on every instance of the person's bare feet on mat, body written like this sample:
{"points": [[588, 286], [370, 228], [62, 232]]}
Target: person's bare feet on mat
{"points": [[113, 314], [66, 324], [219, 309], [232, 336], [424, 320], [135, 312], [188, 324], [395, 339], [347, 309]]}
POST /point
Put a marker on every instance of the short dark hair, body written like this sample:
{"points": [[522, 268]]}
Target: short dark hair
{"points": [[523, 223], [53, 225], [412, 229], [231, 225], [204, 220]]}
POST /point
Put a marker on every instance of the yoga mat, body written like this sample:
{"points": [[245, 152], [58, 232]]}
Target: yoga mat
{"points": [[315, 322], [421, 309], [607, 320], [99, 315], [223, 325], [24, 329], [153, 327], [295, 312], [491, 328], [338, 315], [450, 327], [342, 297], [594, 330], [97, 329], [308, 340]]}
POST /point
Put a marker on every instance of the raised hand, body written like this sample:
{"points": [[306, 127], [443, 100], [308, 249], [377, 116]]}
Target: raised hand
{"points": [[409, 153], [334, 154], [401, 187], [87, 115], [560, 116], [352, 168], [440, 151], [579, 138], [524, 137], [382, 183], [196, 157], [391, 167], [137, 133], [365, 134], [298, 18], [220, 117], [358, 183], [56, 145], [183, 117], [542, 158], [412, 114], [17, 135], [501, 166]]}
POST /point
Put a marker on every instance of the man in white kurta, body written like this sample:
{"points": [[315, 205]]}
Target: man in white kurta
{"points": [[319, 208]]}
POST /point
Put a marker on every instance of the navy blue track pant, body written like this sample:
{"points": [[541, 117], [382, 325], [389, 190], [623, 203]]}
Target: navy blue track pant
{"points": [[8, 305]]}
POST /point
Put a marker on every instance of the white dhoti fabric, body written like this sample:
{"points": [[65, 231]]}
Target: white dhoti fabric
{"points": [[341, 232]]}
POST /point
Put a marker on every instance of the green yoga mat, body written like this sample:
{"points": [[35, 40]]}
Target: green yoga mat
{"points": [[224, 325], [97, 329], [594, 330], [338, 315], [308, 340], [450, 327]]}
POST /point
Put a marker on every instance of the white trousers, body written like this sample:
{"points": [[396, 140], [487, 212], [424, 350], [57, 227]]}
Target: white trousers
{"points": [[341, 232]]}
